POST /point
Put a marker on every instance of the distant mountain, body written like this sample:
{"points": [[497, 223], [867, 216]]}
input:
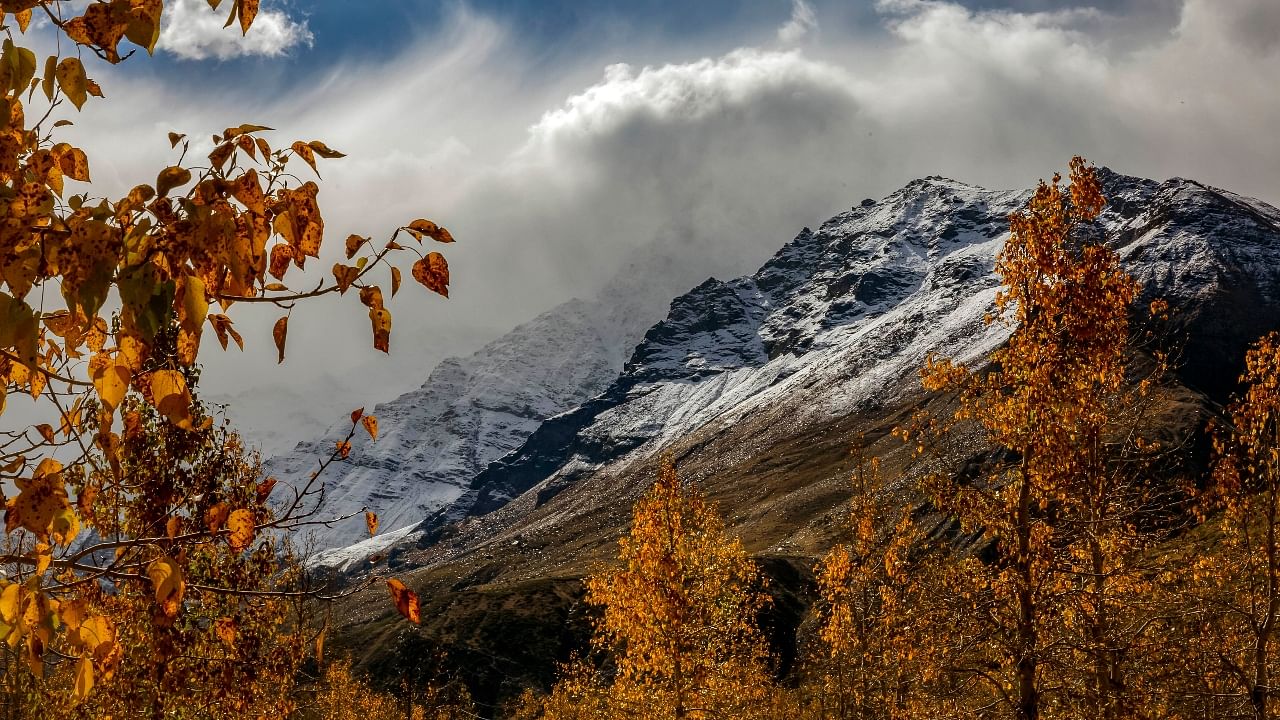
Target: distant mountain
{"points": [[473, 410]]}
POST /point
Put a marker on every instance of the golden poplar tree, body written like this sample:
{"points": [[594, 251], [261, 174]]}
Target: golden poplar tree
{"points": [[1045, 404], [862, 671], [679, 620], [104, 303], [1233, 600]]}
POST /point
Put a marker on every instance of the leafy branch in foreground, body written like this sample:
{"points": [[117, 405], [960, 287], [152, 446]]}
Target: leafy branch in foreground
{"points": [[104, 304]]}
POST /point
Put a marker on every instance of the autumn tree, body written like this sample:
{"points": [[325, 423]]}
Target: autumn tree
{"points": [[679, 620], [103, 307], [1051, 505], [172, 629], [1231, 595], [861, 670]]}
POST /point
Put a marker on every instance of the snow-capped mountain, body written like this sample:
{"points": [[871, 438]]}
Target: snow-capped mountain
{"points": [[469, 412], [473, 410], [842, 318]]}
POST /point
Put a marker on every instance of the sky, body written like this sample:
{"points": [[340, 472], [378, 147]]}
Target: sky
{"points": [[556, 139]]}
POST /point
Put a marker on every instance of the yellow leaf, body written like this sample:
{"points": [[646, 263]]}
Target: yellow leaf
{"points": [[195, 303], [93, 632], [84, 677], [144, 24], [110, 379], [9, 603], [371, 522], [395, 280], [170, 396], [65, 526], [72, 80], [170, 178], [50, 70], [381, 320], [166, 577], [240, 523], [73, 613]]}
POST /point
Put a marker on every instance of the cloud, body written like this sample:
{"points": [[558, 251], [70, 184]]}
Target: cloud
{"points": [[554, 176], [194, 31], [803, 21]]}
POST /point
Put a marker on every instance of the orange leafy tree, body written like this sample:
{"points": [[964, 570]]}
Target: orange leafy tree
{"points": [[1230, 610], [167, 627], [679, 620], [1052, 507], [863, 670], [103, 306]]}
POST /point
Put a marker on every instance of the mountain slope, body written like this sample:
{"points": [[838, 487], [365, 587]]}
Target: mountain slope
{"points": [[760, 386]]}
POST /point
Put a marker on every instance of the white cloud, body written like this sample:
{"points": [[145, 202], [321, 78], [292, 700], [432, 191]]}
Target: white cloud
{"points": [[194, 31], [803, 21]]}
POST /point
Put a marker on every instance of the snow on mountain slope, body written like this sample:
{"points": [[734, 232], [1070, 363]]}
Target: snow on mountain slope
{"points": [[469, 412], [474, 410], [842, 318]]}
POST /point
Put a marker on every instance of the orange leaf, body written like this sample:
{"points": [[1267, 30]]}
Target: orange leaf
{"points": [[216, 516], [264, 489], [225, 629], [405, 599], [305, 152], [278, 333], [371, 522], [370, 423], [433, 272], [381, 320], [418, 228], [240, 523], [353, 245]]}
